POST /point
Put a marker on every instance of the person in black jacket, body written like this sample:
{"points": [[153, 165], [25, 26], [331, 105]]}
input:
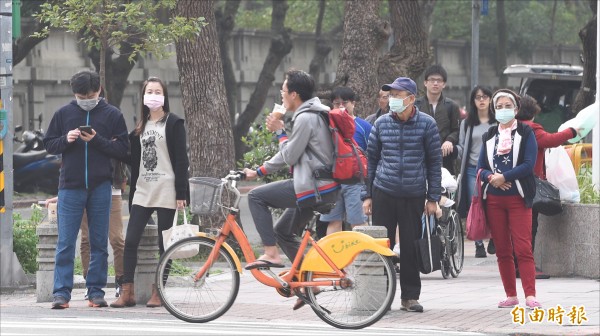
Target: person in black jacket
{"points": [[85, 182], [159, 166], [444, 110]]}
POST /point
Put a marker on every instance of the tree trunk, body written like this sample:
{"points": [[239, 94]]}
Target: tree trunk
{"points": [[502, 43], [281, 45], [102, 71], [225, 25], [204, 98], [364, 34], [410, 54], [118, 70], [322, 46], [587, 34]]}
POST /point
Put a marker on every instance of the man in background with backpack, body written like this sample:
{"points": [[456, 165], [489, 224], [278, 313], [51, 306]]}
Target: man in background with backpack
{"points": [[444, 110], [306, 149], [348, 206], [405, 176]]}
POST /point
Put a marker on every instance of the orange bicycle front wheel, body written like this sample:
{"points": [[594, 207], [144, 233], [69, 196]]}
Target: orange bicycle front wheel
{"points": [[188, 297]]}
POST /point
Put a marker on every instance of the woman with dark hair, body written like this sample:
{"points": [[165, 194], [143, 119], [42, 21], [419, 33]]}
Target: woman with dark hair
{"points": [[529, 109], [479, 119], [159, 166], [506, 161]]}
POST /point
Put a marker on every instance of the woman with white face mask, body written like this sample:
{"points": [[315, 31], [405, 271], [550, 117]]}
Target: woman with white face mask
{"points": [[159, 179], [506, 161]]}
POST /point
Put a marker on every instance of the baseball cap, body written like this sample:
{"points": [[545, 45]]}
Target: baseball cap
{"points": [[403, 84]]}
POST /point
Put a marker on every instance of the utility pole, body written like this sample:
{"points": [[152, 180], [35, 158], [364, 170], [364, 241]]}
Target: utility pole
{"points": [[11, 273], [475, 13], [596, 130]]}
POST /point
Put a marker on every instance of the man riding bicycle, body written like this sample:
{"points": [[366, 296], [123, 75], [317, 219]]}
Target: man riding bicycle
{"points": [[307, 147]]}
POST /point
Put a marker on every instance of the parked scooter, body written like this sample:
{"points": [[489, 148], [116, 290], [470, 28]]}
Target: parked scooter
{"points": [[34, 169]]}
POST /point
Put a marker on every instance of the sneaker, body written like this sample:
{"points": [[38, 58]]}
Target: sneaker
{"points": [[85, 296], [397, 268], [533, 303], [97, 302], [480, 251], [411, 306], [60, 302], [491, 249], [508, 303]]}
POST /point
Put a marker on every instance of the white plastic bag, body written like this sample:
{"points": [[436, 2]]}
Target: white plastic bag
{"points": [[584, 121], [560, 172], [179, 232], [448, 181]]}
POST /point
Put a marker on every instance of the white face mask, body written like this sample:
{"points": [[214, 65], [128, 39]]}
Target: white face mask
{"points": [[153, 101], [397, 104], [87, 104], [504, 116]]}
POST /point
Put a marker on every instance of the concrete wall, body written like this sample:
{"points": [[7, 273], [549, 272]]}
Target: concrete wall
{"points": [[41, 80], [568, 244]]}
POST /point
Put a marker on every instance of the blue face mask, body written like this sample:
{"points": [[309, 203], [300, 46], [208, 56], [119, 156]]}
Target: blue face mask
{"points": [[397, 104], [504, 116]]}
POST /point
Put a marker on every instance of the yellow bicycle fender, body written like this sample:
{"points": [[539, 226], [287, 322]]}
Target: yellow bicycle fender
{"points": [[238, 265], [342, 247]]}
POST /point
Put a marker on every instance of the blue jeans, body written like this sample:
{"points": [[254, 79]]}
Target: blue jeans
{"points": [[71, 203]]}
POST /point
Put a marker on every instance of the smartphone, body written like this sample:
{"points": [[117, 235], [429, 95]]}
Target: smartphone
{"points": [[86, 129]]}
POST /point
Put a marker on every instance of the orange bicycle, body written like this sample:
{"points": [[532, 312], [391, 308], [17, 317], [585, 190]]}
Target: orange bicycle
{"points": [[347, 278]]}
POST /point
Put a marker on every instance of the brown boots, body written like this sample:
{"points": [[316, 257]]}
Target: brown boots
{"points": [[127, 297], [154, 301]]}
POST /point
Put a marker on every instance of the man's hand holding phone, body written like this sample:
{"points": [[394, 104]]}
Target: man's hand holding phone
{"points": [[86, 133]]}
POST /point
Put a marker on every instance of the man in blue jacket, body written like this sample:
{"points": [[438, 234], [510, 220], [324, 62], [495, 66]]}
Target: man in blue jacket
{"points": [[405, 174], [85, 182]]}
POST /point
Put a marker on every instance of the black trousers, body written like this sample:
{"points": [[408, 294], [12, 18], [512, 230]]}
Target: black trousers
{"points": [[138, 218], [403, 214]]}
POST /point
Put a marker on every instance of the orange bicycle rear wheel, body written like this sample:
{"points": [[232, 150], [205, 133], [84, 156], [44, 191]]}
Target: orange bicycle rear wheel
{"points": [[364, 295]]}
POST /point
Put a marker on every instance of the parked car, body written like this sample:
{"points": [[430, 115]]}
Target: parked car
{"points": [[554, 86]]}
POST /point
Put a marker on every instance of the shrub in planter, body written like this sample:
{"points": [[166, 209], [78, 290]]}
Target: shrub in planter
{"points": [[25, 238]]}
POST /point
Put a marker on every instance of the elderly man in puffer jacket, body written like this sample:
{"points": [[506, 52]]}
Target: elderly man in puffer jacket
{"points": [[405, 164]]}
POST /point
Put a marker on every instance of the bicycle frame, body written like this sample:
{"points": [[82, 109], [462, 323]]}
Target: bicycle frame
{"points": [[324, 258]]}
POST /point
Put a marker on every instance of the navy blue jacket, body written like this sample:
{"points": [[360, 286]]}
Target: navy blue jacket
{"points": [[86, 165], [405, 158], [524, 154]]}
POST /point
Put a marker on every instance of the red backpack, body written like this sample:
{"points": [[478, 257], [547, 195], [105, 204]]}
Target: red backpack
{"points": [[350, 162]]}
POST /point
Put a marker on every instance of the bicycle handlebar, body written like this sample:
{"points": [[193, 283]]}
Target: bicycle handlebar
{"points": [[235, 175]]}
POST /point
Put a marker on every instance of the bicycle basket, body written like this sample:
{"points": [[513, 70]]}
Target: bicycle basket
{"points": [[205, 195]]}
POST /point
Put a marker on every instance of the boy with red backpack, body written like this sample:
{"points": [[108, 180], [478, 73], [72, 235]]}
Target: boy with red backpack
{"points": [[348, 207]]}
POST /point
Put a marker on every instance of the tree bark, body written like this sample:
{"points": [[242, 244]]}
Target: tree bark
{"points": [[410, 54], [502, 43], [281, 45], [117, 71], [225, 24], [364, 35], [204, 98], [587, 35], [322, 44]]}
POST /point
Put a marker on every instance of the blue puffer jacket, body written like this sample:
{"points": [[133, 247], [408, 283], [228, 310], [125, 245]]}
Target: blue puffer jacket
{"points": [[405, 158]]}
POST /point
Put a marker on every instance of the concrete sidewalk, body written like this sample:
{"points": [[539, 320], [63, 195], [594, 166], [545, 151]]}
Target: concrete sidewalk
{"points": [[466, 303]]}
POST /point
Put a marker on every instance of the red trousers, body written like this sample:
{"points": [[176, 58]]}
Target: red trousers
{"points": [[510, 223]]}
